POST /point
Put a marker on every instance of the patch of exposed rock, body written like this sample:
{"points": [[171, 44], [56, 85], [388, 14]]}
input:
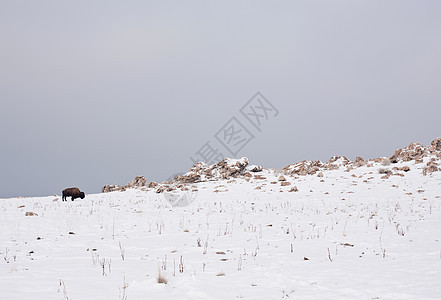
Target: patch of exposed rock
{"points": [[306, 167], [224, 169], [436, 144], [152, 184], [282, 178], [415, 151], [233, 168], [431, 167], [112, 188], [137, 182], [359, 162]]}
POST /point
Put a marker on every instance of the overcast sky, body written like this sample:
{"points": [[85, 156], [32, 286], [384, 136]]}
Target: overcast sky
{"points": [[97, 92]]}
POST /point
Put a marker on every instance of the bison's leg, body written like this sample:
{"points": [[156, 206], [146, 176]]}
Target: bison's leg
{"points": [[73, 198]]}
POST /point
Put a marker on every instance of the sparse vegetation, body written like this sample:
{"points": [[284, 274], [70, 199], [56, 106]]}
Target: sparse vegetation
{"points": [[161, 277]]}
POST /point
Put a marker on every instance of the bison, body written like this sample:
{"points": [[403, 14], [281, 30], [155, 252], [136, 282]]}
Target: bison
{"points": [[73, 193]]}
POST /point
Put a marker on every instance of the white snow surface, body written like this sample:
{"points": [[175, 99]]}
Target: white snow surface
{"points": [[345, 235]]}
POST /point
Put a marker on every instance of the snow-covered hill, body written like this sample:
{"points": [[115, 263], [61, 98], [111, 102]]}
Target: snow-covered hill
{"points": [[368, 229]]}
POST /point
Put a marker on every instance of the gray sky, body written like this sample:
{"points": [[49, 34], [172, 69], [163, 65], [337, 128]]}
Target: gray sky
{"points": [[96, 92]]}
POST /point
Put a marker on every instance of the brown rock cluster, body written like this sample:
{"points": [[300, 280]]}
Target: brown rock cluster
{"points": [[430, 167], [137, 182], [436, 144], [417, 152], [294, 189], [152, 184], [303, 168], [359, 162], [414, 151], [338, 160], [112, 188], [225, 169], [233, 168], [312, 167]]}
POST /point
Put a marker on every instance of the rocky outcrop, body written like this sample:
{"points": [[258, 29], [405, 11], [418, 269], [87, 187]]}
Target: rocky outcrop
{"points": [[417, 152], [196, 174], [233, 168], [138, 181], [359, 162], [152, 184], [306, 167], [430, 167], [414, 151], [339, 160], [312, 167], [228, 167], [224, 169], [436, 144], [294, 189], [282, 178], [336, 162], [112, 188]]}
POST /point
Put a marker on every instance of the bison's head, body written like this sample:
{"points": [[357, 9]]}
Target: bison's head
{"points": [[82, 195]]}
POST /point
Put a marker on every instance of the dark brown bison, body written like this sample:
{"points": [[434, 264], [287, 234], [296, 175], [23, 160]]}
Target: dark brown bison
{"points": [[73, 193]]}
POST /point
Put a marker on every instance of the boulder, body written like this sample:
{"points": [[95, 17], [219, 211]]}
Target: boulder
{"points": [[431, 167], [224, 169], [152, 184], [282, 178], [230, 167], [294, 189], [139, 181], [339, 160], [254, 168], [414, 151], [303, 168], [359, 159], [405, 169], [112, 188], [436, 144]]}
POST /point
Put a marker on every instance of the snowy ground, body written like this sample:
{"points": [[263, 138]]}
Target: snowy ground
{"points": [[345, 235]]}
